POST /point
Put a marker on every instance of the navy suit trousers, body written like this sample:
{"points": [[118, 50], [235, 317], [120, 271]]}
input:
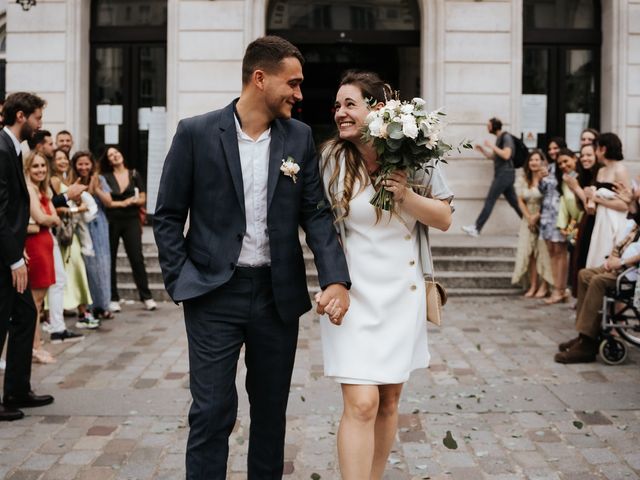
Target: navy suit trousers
{"points": [[240, 312]]}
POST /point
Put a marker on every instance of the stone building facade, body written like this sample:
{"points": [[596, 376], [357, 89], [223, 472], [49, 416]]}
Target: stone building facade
{"points": [[470, 57]]}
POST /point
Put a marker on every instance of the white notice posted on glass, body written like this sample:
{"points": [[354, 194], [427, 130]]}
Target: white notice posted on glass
{"points": [[534, 118], [574, 123], [157, 125]]}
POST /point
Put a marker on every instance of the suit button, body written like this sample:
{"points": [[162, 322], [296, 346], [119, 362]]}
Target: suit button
{"points": [[240, 235], [413, 287], [412, 263], [407, 237], [232, 266]]}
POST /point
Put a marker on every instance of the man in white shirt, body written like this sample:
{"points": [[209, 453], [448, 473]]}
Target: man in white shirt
{"points": [[23, 116], [247, 176]]}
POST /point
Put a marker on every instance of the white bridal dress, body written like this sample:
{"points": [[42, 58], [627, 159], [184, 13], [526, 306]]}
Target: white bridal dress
{"points": [[383, 336]]}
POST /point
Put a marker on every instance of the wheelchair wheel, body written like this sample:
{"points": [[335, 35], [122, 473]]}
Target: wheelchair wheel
{"points": [[613, 351], [631, 335]]}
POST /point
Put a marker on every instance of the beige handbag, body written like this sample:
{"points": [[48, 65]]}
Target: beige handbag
{"points": [[436, 299]]}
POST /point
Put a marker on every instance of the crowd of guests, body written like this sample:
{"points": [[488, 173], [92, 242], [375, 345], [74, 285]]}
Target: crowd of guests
{"points": [[576, 209], [80, 208], [578, 228]]}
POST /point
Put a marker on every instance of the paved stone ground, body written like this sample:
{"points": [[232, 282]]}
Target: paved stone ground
{"points": [[121, 403]]}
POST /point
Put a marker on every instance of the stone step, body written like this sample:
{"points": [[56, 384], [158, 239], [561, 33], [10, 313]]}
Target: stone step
{"points": [[150, 260], [473, 264], [482, 292], [486, 280], [154, 274], [128, 291]]}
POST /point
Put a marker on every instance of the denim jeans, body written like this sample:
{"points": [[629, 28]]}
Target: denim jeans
{"points": [[502, 185]]}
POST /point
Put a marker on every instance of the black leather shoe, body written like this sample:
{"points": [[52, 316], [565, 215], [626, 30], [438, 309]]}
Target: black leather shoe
{"points": [[9, 415], [29, 400]]}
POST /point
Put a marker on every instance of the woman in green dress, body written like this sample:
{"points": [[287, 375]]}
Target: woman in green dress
{"points": [[76, 289]]}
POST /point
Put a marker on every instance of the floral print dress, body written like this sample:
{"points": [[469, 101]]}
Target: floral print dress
{"points": [[550, 207]]}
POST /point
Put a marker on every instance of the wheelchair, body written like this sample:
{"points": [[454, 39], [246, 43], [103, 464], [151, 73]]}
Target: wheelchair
{"points": [[620, 320]]}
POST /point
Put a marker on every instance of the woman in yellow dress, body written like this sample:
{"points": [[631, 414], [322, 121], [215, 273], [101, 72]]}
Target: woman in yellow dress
{"points": [[533, 264]]}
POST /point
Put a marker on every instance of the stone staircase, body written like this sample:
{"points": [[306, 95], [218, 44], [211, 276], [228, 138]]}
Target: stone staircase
{"points": [[465, 266]]}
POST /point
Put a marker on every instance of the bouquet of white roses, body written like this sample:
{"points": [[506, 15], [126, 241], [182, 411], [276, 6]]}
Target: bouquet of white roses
{"points": [[406, 137]]}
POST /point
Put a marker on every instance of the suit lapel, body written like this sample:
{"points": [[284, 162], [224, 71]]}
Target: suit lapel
{"points": [[17, 162], [276, 154], [229, 138]]}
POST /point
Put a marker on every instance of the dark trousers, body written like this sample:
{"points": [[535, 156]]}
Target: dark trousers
{"points": [[502, 185], [240, 312], [129, 230], [18, 321]]}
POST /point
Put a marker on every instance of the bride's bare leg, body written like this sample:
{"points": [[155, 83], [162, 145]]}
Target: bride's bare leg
{"points": [[385, 428], [357, 430]]}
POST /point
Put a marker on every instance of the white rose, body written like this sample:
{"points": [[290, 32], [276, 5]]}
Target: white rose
{"points": [[418, 102], [392, 105], [407, 108], [409, 127], [295, 168], [375, 126]]}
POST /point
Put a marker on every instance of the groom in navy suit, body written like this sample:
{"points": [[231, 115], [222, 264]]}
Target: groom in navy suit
{"points": [[247, 176]]}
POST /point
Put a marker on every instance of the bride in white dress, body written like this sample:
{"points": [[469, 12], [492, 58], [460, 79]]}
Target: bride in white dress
{"points": [[383, 336]]}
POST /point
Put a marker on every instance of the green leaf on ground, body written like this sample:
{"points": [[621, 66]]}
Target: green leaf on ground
{"points": [[315, 476], [458, 406], [578, 425], [449, 442]]}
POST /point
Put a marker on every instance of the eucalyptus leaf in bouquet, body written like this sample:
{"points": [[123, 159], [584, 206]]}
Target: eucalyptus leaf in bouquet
{"points": [[406, 137]]}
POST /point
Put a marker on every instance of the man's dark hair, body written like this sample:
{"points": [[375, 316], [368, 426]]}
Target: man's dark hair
{"points": [[612, 143], [38, 138], [64, 132], [266, 53], [24, 102], [496, 124]]}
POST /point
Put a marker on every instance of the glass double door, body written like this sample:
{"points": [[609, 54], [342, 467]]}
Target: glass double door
{"points": [[568, 78], [126, 81]]}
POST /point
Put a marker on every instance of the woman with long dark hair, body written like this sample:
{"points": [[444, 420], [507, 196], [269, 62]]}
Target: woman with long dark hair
{"points": [[549, 231], [383, 336], [587, 169], [611, 211], [98, 265], [123, 212]]}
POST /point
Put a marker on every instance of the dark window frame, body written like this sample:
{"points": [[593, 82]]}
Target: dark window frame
{"points": [[558, 42]]}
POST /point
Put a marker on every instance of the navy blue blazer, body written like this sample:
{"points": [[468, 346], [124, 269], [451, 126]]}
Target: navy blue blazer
{"points": [[14, 205], [202, 178]]}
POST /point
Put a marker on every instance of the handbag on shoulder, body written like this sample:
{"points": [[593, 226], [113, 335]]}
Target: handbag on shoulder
{"points": [[436, 299]]}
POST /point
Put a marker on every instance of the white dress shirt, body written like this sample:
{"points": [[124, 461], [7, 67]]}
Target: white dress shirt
{"points": [[254, 160], [16, 145]]}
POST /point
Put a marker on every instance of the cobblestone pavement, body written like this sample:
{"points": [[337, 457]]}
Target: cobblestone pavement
{"points": [[122, 398]]}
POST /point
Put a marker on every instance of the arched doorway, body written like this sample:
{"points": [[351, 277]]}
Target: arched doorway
{"points": [[334, 36], [128, 75]]}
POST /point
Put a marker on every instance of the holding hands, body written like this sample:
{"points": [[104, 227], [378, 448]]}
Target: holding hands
{"points": [[334, 301]]}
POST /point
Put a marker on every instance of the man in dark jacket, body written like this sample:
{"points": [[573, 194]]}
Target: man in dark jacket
{"points": [[248, 178], [23, 116]]}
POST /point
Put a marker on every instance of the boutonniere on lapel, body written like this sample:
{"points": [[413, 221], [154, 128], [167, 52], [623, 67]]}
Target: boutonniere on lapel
{"points": [[290, 168]]}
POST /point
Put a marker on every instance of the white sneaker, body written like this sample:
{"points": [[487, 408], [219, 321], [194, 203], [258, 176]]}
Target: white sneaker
{"points": [[150, 304], [471, 230], [115, 306]]}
